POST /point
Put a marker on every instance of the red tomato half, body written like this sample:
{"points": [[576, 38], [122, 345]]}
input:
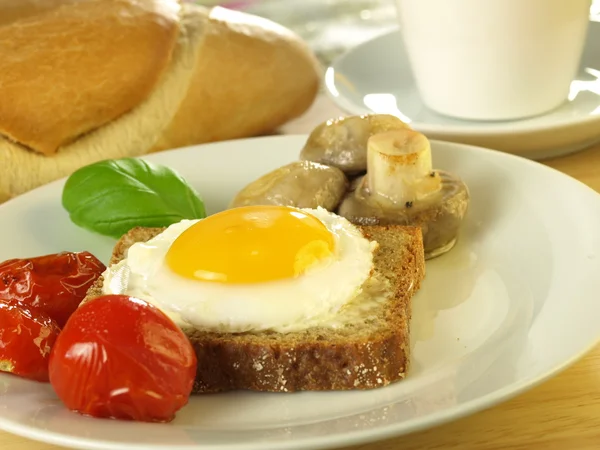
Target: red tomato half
{"points": [[120, 357], [56, 284], [26, 338]]}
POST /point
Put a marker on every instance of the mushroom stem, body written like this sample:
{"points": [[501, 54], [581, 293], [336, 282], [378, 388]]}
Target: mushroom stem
{"points": [[399, 167]]}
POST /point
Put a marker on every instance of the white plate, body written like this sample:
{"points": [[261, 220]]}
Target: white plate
{"points": [[376, 77], [512, 304]]}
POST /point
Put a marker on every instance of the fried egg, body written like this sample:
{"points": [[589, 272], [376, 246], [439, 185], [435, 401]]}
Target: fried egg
{"points": [[248, 269]]}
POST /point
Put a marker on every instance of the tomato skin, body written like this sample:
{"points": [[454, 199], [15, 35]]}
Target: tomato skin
{"points": [[56, 284], [26, 338], [120, 357]]}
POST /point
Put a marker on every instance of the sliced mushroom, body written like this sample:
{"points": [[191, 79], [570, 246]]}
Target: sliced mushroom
{"points": [[342, 142], [303, 184], [400, 187]]}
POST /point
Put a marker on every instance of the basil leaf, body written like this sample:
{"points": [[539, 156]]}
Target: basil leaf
{"points": [[113, 196]]}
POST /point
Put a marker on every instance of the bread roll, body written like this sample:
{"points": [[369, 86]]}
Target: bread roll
{"points": [[87, 80]]}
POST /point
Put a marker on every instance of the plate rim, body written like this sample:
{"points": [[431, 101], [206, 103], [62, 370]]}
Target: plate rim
{"points": [[354, 437], [332, 441]]}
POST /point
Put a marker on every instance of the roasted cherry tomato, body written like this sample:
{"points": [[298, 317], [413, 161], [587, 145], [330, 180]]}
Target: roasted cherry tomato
{"points": [[26, 338], [120, 357], [56, 284]]}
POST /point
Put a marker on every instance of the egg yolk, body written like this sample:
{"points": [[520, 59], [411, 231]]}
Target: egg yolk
{"points": [[251, 244]]}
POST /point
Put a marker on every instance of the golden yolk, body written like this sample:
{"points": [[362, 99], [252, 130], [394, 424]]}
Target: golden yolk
{"points": [[251, 244]]}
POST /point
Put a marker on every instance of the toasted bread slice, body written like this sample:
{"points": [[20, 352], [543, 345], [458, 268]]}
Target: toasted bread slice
{"points": [[364, 354]]}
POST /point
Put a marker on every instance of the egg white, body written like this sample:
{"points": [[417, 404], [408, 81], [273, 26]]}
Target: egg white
{"points": [[282, 305]]}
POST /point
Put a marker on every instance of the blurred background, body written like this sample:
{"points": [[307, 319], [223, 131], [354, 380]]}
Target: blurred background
{"points": [[330, 27]]}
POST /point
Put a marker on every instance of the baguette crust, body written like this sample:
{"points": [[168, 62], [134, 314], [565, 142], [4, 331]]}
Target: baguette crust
{"points": [[315, 359], [228, 75], [64, 74], [133, 134], [251, 75]]}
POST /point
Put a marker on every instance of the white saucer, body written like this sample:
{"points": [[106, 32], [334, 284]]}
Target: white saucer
{"points": [[375, 77], [512, 304]]}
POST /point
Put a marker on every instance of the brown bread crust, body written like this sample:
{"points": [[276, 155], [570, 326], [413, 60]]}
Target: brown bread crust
{"points": [[315, 359]]}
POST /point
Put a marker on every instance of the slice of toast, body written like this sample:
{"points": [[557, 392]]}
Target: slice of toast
{"points": [[358, 355]]}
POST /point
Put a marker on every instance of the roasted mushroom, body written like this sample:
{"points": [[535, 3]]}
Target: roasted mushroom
{"points": [[342, 142], [303, 184], [400, 187]]}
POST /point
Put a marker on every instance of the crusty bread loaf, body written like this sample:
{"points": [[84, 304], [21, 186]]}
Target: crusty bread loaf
{"points": [[69, 67], [83, 81], [371, 353]]}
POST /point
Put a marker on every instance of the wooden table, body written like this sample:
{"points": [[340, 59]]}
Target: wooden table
{"points": [[563, 413]]}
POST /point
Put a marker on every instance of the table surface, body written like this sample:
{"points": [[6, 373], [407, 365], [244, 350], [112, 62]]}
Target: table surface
{"points": [[562, 413]]}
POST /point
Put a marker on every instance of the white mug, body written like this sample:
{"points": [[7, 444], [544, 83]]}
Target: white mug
{"points": [[493, 59]]}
